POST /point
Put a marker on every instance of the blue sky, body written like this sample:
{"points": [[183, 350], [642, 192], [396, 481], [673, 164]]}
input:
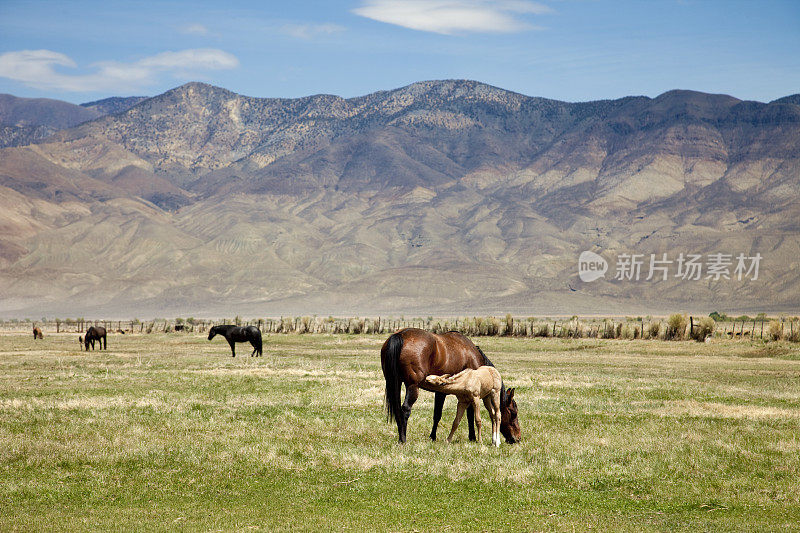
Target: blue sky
{"points": [[573, 50]]}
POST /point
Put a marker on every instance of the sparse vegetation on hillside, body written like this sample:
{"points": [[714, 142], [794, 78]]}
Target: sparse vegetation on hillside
{"points": [[146, 223]]}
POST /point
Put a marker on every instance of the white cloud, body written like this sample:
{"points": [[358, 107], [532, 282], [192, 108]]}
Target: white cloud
{"points": [[309, 31], [37, 68], [454, 16], [195, 29]]}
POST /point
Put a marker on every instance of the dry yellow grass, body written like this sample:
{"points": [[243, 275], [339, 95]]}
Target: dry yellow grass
{"points": [[168, 431]]}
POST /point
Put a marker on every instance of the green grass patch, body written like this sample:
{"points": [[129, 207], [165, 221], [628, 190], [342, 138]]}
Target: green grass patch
{"points": [[169, 432]]}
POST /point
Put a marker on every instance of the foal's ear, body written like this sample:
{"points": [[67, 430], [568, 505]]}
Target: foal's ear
{"points": [[510, 394]]}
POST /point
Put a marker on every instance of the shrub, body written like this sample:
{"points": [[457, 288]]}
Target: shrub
{"points": [[654, 329], [718, 317], [704, 328], [608, 329], [543, 330], [676, 326], [775, 330], [627, 331], [794, 331]]}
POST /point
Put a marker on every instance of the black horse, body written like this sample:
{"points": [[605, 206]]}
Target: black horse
{"points": [[95, 333], [234, 334]]}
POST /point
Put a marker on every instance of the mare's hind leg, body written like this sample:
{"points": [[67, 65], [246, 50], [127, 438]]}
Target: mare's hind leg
{"points": [[462, 406], [438, 403], [256, 348], [412, 391], [233, 348]]}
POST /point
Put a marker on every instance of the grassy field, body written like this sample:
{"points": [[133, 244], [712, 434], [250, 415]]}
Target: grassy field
{"points": [[168, 432]]}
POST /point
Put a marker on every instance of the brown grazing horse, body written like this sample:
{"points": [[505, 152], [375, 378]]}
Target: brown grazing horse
{"points": [[37, 333], [412, 354], [95, 333]]}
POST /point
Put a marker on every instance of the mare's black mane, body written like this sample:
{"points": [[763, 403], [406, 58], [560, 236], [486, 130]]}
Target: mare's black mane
{"points": [[503, 397]]}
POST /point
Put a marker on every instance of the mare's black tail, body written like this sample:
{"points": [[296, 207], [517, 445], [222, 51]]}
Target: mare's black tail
{"points": [[391, 359]]}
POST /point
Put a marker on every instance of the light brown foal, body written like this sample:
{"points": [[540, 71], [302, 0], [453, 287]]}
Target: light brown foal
{"points": [[471, 386]]}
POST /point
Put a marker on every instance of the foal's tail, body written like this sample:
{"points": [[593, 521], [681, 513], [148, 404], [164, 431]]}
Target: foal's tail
{"points": [[390, 358]]}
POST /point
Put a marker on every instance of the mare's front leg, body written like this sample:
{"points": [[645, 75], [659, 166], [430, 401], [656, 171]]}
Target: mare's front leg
{"points": [[412, 391], [471, 421], [438, 403], [233, 348], [462, 406]]}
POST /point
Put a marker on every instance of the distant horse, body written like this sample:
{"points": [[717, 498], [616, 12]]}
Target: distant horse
{"points": [[95, 333], [470, 387], [37, 333], [412, 354], [234, 334]]}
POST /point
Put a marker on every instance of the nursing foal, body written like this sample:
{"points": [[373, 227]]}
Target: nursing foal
{"points": [[470, 386]]}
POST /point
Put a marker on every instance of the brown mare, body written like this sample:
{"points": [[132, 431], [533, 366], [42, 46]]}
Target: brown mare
{"points": [[37, 333], [412, 354]]}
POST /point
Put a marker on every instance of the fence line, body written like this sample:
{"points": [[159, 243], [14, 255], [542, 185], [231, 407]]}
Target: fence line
{"points": [[676, 327]]}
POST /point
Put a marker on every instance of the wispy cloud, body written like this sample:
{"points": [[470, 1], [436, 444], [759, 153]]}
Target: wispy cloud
{"points": [[38, 68], [195, 29], [454, 16], [310, 31]]}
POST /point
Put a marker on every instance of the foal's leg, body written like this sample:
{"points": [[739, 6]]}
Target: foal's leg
{"points": [[412, 391], [476, 406], [497, 415], [233, 349], [492, 403], [438, 402], [462, 406]]}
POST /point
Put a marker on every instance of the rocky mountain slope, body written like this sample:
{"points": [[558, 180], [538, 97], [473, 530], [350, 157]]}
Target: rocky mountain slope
{"points": [[27, 120], [441, 197]]}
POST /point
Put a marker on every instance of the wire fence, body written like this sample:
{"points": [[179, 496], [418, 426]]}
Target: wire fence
{"points": [[674, 327]]}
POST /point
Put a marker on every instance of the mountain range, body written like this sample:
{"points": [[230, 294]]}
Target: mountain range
{"points": [[443, 197]]}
